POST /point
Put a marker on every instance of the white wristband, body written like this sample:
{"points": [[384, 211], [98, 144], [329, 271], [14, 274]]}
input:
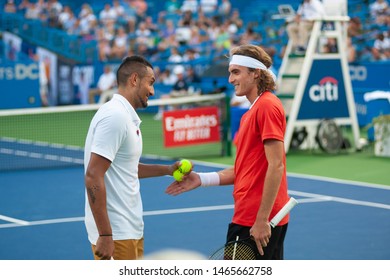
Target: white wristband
{"points": [[209, 179]]}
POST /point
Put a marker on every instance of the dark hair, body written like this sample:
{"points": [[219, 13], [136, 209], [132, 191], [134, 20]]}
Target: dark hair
{"points": [[132, 64], [266, 81]]}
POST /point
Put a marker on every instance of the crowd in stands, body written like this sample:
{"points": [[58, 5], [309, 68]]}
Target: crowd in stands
{"points": [[185, 31], [205, 27], [199, 27], [182, 31], [368, 30]]}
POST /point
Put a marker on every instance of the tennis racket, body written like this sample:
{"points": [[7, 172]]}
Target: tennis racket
{"points": [[245, 249]]}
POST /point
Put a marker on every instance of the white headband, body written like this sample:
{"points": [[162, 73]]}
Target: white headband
{"points": [[250, 62]]}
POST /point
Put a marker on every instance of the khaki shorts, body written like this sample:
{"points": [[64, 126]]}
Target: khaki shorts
{"points": [[131, 249]]}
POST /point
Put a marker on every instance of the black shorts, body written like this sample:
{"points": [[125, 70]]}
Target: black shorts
{"points": [[274, 249]]}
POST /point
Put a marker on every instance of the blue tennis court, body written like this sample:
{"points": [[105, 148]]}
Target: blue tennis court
{"points": [[41, 217]]}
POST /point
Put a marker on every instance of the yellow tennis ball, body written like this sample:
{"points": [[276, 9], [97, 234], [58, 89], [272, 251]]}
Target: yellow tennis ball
{"points": [[178, 175], [185, 166]]}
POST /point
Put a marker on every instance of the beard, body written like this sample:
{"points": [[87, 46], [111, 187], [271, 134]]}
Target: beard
{"points": [[143, 103]]}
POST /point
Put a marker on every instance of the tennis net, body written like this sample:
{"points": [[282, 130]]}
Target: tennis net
{"points": [[54, 137]]}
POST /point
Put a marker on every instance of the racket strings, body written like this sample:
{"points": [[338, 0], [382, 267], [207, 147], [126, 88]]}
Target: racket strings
{"points": [[235, 251]]}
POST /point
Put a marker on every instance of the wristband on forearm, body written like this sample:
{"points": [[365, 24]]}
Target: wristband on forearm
{"points": [[209, 179]]}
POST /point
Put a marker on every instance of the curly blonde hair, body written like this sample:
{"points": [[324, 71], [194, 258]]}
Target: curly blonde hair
{"points": [[266, 80]]}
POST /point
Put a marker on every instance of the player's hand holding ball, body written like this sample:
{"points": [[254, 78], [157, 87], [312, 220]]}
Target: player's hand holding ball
{"points": [[184, 168]]}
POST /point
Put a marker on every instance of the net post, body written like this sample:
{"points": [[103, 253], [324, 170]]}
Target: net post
{"points": [[226, 141]]}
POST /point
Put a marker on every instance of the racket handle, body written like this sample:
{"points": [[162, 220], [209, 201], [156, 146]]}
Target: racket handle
{"points": [[283, 212]]}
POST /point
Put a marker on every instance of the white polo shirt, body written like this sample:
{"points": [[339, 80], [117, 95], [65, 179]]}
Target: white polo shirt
{"points": [[115, 134]]}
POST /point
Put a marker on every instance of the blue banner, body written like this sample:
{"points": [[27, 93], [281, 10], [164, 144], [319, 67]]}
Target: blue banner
{"points": [[325, 94], [19, 84], [370, 76]]}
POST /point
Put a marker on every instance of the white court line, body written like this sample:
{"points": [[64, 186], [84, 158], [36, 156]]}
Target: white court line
{"points": [[310, 197], [35, 155], [304, 176], [339, 181], [342, 200], [13, 220], [188, 210], [146, 213]]}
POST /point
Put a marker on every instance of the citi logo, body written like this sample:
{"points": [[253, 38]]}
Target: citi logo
{"points": [[326, 90]]}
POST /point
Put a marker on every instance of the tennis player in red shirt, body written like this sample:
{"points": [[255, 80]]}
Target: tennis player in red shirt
{"points": [[259, 172]]}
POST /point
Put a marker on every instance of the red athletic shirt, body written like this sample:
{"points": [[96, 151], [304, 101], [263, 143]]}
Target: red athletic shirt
{"points": [[264, 120]]}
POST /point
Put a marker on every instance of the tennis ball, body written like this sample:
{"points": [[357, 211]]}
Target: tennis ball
{"points": [[178, 175], [185, 166]]}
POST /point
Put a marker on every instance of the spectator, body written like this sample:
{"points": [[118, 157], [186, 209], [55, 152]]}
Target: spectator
{"points": [[168, 77], [106, 82], [130, 16], [163, 48], [190, 55], [378, 9], [140, 7], [118, 9], [120, 44], [223, 41], [83, 88], [175, 56], [355, 28], [104, 46], [10, 7], [149, 24], [143, 34], [196, 38], [172, 6], [74, 29], [179, 89], [238, 106], [168, 29], [108, 14], [33, 11], [64, 16], [88, 21], [183, 32], [381, 48], [189, 5], [54, 8], [142, 49], [351, 50], [209, 7], [69, 24], [239, 101], [43, 82], [22, 7], [213, 29], [250, 36], [300, 28], [225, 9], [192, 78], [236, 19], [330, 46]]}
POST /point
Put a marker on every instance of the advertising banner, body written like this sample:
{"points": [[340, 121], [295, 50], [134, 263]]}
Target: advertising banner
{"points": [[19, 83], [191, 126], [49, 85], [12, 46], [325, 94], [370, 76], [65, 82]]}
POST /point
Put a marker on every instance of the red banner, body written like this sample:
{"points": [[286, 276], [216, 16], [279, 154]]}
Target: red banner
{"points": [[192, 126]]}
